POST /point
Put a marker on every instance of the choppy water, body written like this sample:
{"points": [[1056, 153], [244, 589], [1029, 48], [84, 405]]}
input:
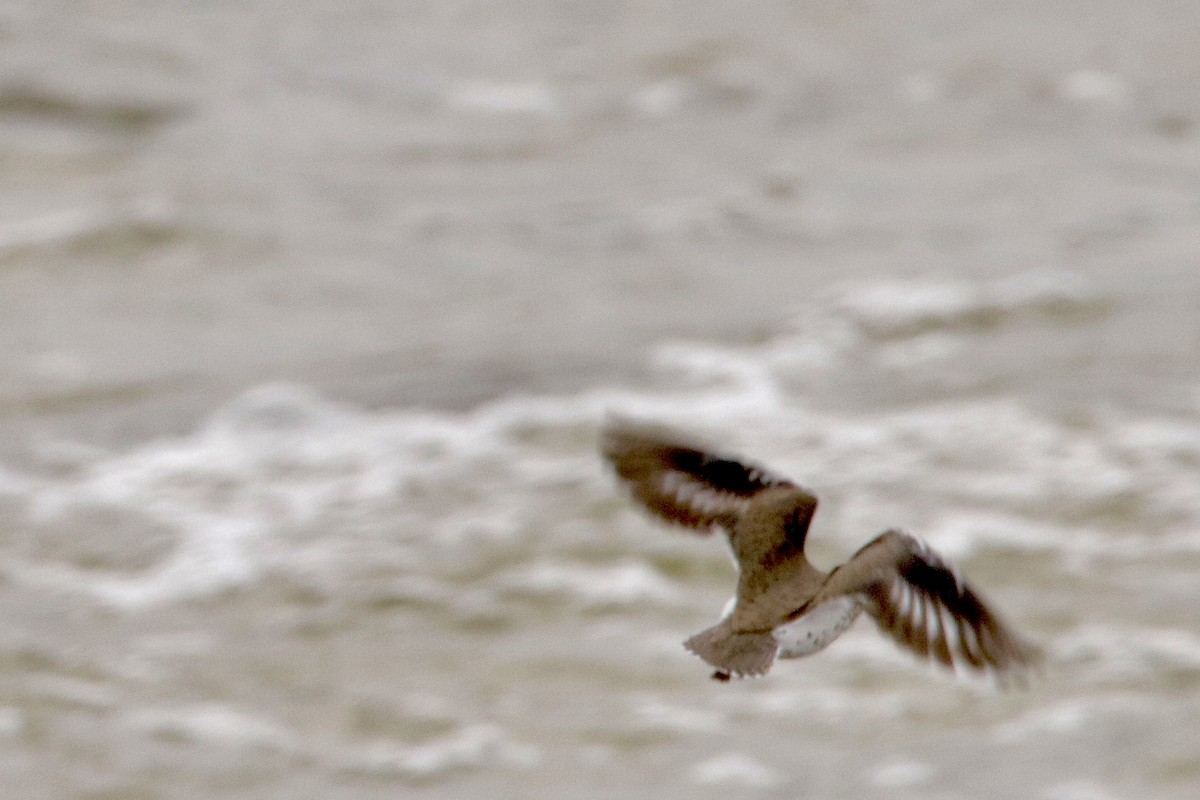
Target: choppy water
{"points": [[309, 325], [302, 593]]}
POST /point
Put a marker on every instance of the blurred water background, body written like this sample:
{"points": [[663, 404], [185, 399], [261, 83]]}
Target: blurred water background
{"points": [[309, 314]]}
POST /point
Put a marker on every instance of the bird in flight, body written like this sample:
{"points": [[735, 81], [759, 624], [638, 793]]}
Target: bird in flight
{"points": [[784, 606]]}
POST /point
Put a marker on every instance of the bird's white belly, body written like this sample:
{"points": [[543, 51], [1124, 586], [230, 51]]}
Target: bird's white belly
{"points": [[817, 629]]}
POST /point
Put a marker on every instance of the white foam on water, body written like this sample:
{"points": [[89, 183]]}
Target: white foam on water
{"points": [[213, 724], [889, 310], [825, 694], [889, 325], [656, 715], [901, 310], [631, 583], [959, 534], [900, 773], [497, 521], [12, 721], [736, 769], [1093, 86], [283, 481], [70, 691], [1113, 652], [663, 98], [1062, 718], [273, 459], [504, 97], [472, 746], [213, 557], [69, 225]]}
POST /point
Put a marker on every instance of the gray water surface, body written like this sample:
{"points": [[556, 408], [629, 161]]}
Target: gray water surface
{"points": [[309, 317]]}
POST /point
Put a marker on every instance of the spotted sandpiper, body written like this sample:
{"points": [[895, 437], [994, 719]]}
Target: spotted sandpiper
{"points": [[784, 606]]}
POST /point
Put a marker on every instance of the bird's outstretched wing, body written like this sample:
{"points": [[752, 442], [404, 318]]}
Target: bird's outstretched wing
{"points": [[924, 604], [682, 481]]}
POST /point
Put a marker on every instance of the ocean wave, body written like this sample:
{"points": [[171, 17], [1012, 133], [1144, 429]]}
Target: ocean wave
{"points": [[627, 584], [146, 222], [509, 502], [908, 309], [212, 724], [737, 769], [1117, 653], [471, 746], [249, 492]]}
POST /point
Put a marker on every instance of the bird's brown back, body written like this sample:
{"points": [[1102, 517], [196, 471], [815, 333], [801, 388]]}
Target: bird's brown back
{"points": [[768, 541]]}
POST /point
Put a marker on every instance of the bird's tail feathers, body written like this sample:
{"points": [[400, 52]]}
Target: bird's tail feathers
{"points": [[738, 654]]}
